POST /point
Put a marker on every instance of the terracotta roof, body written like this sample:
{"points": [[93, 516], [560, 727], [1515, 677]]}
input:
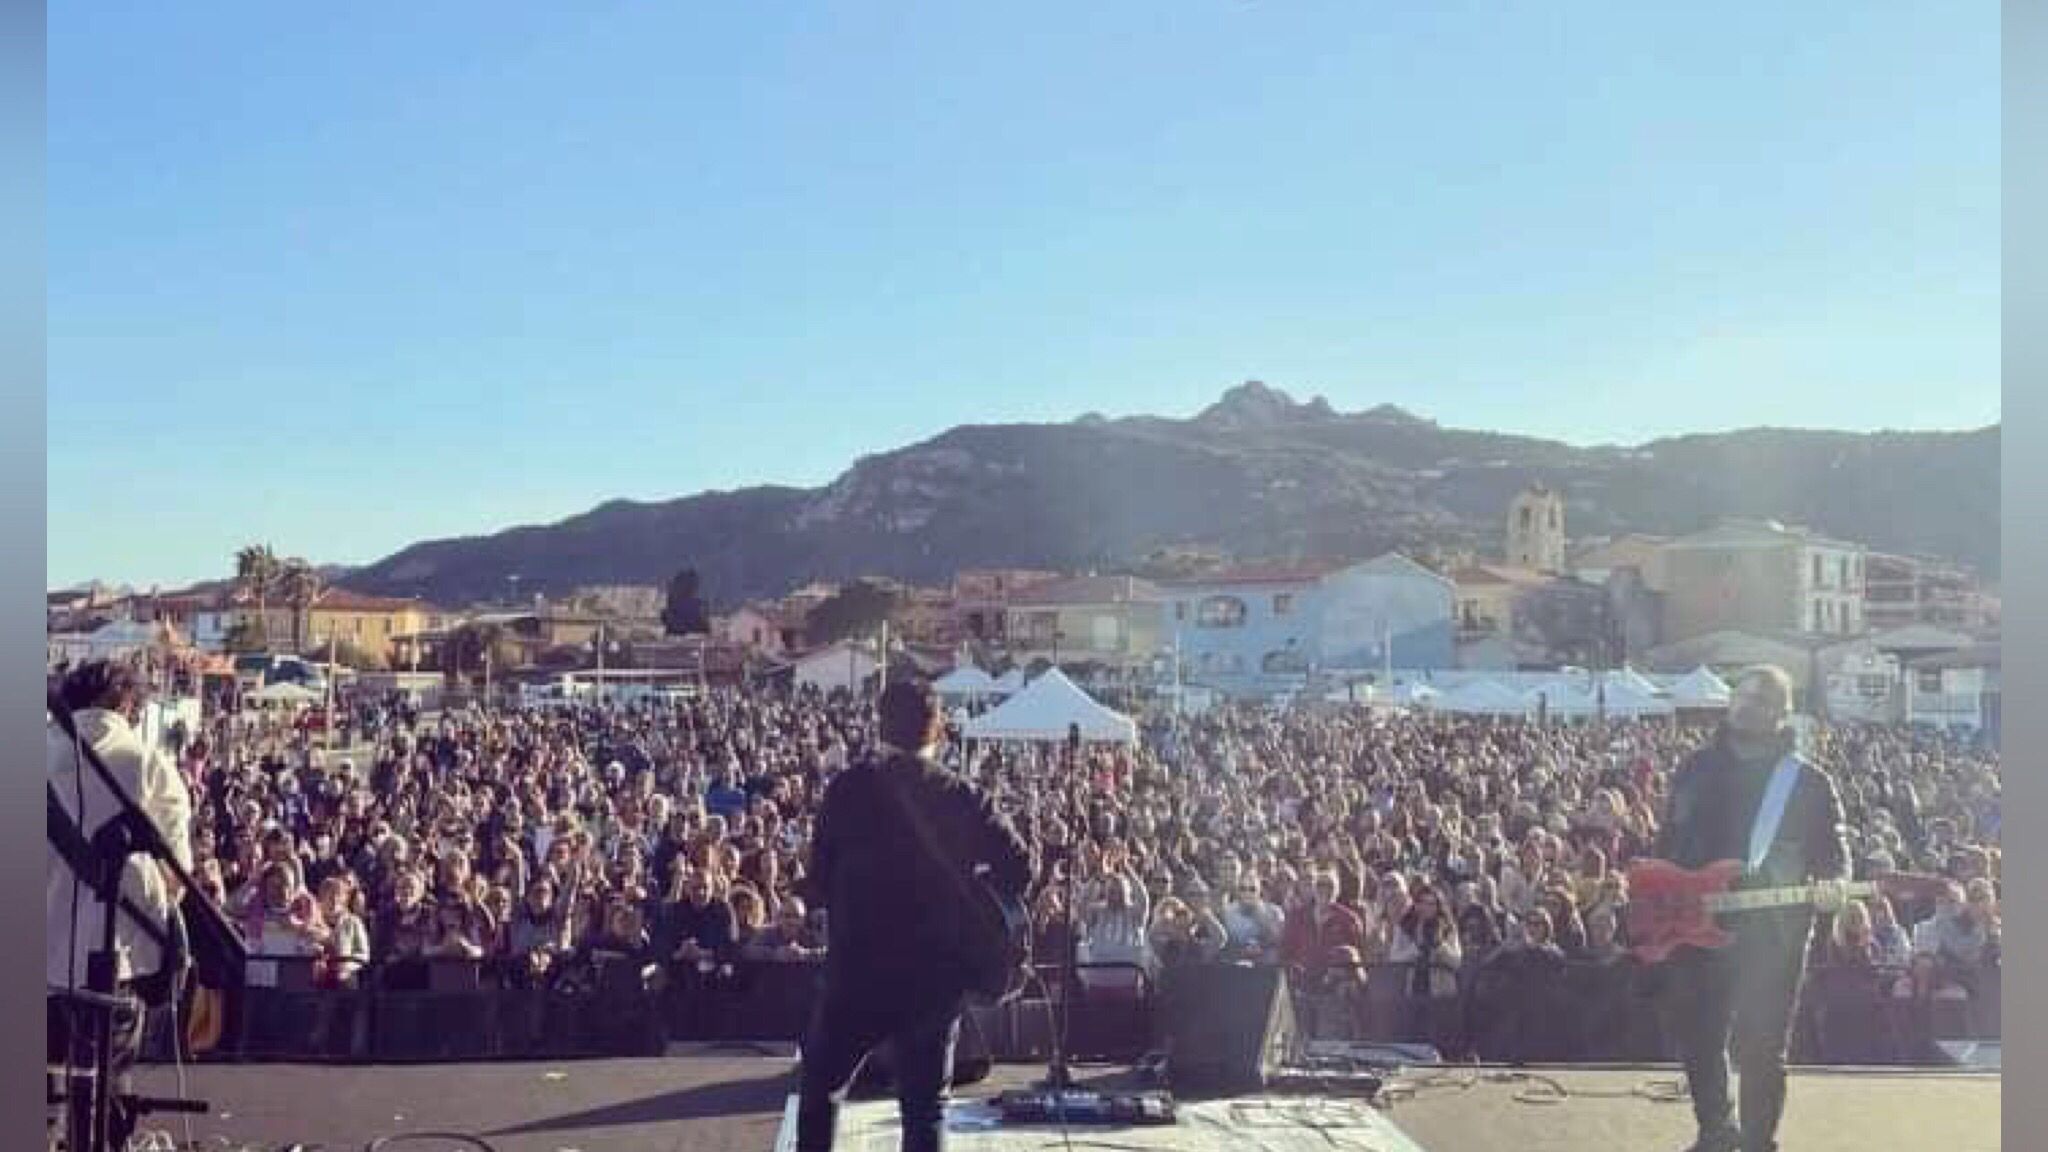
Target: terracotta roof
{"points": [[1088, 590], [1477, 574], [343, 600], [1296, 572]]}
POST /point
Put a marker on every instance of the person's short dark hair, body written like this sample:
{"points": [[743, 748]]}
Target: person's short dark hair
{"points": [[910, 714], [103, 684]]}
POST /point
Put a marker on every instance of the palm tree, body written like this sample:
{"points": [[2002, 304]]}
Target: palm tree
{"points": [[256, 572], [301, 587]]}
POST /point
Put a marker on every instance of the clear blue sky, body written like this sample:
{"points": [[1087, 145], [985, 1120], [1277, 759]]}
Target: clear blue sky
{"points": [[343, 279]]}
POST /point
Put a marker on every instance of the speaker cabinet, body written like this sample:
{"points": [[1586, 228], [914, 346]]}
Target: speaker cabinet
{"points": [[1229, 1027]]}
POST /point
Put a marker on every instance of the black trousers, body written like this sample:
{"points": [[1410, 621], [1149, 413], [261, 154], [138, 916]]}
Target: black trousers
{"points": [[69, 1039], [845, 1026], [1740, 999]]}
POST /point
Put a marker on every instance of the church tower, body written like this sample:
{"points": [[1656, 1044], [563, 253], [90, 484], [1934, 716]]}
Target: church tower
{"points": [[1536, 529]]}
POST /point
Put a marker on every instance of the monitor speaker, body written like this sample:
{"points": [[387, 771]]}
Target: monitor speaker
{"points": [[1229, 1027]]}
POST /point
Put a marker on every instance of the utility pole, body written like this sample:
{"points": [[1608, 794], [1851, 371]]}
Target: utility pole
{"points": [[327, 736]]}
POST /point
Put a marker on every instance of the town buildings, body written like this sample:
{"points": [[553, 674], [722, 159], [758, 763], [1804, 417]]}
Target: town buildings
{"points": [[1906, 590], [1110, 621], [1252, 629], [982, 598], [1761, 576]]}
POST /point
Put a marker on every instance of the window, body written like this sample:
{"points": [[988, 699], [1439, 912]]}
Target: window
{"points": [[1553, 517], [1842, 570], [1525, 519], [1283, 603], [1221, 612], [1930, 680], [1106, 633], [1180, 609], [1816, 617], [1816, 570]]}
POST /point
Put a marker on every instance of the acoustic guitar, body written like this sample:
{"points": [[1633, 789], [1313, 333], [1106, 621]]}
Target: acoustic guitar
{"points": [[997, 945], [1670, 907]]}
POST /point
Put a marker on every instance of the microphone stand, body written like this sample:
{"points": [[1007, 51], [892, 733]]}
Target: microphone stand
{"points": [[1059, 1075]]}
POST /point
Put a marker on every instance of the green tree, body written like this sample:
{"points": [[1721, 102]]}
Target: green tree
{"points": [[256, 572], [301, 587], [245, 636], [684, 613], [856, 610]]}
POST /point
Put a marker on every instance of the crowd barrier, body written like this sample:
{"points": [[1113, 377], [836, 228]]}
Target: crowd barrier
{"points": [[1514, 1009]]}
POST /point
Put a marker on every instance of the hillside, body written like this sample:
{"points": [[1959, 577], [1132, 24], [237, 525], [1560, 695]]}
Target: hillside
{"points": [[1256, 474]]}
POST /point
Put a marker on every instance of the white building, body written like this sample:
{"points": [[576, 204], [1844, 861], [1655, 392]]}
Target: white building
{"points": [[1760, 576], [754, 627], [116, 640], [1956, 691], [846, 666]]}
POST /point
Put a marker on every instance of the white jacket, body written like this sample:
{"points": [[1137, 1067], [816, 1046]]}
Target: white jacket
{"points": [[151, 778]]}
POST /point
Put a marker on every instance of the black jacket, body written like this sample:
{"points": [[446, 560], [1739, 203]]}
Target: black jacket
{"points": [[891, 908], [1713, 805]]}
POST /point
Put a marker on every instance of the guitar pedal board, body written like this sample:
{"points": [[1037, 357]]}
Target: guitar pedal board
{"points": [[1085, 1107]]}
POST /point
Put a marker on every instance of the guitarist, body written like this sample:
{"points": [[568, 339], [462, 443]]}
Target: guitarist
{"points": [[892, 855], [1718, 810], [105, 699]]}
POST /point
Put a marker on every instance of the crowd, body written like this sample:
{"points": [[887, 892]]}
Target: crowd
{"points": [[1349, 847]]}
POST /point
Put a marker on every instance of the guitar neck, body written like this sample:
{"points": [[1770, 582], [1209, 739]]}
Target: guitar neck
{"points": [[1756, 898]]}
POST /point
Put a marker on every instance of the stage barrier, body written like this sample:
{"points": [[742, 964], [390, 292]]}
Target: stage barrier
{"points": [[1513, 1008]]}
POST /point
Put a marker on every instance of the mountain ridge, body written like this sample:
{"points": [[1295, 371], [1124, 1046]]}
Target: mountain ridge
{"points": [[1256, 474]]}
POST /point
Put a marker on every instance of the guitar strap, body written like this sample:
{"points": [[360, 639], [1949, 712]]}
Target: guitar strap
{"points": [[1771, 812]]}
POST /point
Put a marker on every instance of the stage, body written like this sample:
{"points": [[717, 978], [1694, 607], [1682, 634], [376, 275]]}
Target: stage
{"points": [[733, 1102]]}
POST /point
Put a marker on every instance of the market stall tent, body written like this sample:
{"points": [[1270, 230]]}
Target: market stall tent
{"points": [[1045, 711], [966, 680]]}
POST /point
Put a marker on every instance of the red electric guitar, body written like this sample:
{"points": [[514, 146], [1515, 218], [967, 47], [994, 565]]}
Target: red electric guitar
{"points": [[1669, 906]]}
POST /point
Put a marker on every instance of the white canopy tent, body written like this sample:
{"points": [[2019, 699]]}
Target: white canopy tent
{"points": [[1403, 694], [1046, 709], [1699, 689], [1615, 695], [966, 680], [1625, 701], [1561, 697], [285, 692], [1483, 698], [1010, 683], [1634, 681]]}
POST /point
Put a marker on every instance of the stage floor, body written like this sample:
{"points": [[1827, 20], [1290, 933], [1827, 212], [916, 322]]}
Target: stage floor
{"points": [[728, 1103]]}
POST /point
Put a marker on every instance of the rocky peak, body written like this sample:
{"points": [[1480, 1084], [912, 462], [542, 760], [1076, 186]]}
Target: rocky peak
{"points": [[1249, 405]]}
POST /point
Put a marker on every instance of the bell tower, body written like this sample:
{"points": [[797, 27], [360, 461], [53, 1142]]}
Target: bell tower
{"points": [[1536, 529]]}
